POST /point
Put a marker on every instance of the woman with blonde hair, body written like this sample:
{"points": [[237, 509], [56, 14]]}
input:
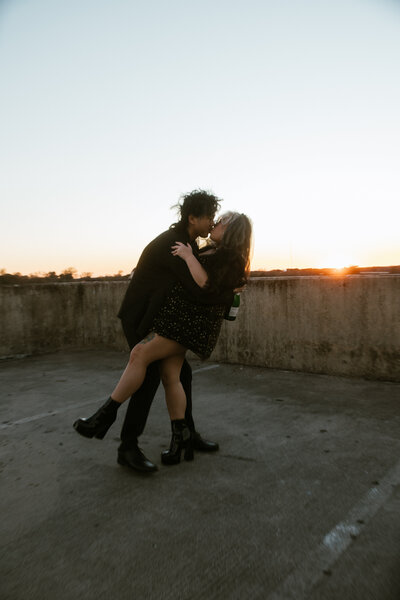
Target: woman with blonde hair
{"points": [[183, 324]]}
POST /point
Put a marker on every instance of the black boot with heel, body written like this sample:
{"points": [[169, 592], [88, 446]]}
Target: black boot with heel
{"points": [[98, 424], [181, 440]]}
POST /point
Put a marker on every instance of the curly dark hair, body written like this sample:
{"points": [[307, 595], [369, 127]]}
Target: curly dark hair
{"points": [[198, 203]]}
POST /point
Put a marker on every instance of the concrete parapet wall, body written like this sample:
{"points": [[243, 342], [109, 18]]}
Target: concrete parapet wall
{"points": [[56, 316], [344, 326], [340, 326]]}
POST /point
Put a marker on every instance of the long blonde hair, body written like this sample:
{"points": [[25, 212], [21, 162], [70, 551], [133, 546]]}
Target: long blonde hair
{"points": [[238, 234], [231, 264]]}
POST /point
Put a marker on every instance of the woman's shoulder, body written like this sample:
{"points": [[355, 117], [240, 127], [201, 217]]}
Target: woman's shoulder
{"points": [[207, 252], [228, 255], [226, 269]]}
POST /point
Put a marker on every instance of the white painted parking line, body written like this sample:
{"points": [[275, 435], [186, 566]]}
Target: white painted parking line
{"points": [[208, 368], [44, 415], [72, 406], [299, 584]]}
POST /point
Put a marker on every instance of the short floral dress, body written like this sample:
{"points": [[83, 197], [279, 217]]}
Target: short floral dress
{"points": [[194, 326]]}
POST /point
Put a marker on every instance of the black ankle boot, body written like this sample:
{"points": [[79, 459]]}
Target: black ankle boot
{"points": [[181, 440], [98, 424]]}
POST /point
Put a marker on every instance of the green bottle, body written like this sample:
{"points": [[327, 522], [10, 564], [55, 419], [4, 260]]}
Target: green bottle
{"points": [[231, 316]]}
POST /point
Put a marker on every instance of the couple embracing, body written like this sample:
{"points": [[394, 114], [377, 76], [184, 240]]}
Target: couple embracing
{"points": [[176, 301]]}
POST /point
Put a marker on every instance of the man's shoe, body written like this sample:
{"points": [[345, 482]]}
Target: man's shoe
{"points": [[134, 458], [203, 445]]}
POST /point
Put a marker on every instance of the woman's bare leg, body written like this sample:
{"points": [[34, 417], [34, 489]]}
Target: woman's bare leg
{"points": [[153, 347], [175, 396]]}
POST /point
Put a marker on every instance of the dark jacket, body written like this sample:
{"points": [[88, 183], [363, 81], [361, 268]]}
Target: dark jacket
{"points": [[156, 272]]}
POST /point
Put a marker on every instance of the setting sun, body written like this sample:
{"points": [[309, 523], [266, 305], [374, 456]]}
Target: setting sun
{"points": [[338, 262]]}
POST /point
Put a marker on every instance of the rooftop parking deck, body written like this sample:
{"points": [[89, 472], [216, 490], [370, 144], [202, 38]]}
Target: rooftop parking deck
{"points": [[301, 501]]}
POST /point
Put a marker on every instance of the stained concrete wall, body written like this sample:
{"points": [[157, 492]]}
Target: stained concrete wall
{"points": [[46, 317], [344, 326]]}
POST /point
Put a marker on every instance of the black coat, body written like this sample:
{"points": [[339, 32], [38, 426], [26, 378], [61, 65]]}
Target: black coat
{"points": [[156, 272]]}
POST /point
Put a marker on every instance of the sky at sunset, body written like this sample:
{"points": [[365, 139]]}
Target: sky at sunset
{"points": [[110, 110]]}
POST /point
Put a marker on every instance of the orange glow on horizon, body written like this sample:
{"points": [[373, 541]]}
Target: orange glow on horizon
{"points": [[110, 266]]}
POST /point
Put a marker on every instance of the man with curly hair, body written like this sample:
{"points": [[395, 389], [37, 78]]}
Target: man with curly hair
{"points": [[156, 272]]}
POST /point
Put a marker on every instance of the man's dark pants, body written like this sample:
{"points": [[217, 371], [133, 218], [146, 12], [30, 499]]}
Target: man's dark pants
{"points": [[140, 402]]}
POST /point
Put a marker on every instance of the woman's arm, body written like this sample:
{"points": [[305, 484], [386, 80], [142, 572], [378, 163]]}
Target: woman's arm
{"points": [[196, 270]]}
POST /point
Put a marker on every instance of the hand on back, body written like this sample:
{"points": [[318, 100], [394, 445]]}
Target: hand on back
{"points": [[182, 250]]}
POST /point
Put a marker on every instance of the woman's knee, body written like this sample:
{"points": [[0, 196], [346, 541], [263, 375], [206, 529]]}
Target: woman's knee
{"points": [[136, 353], [170, 371], [146, 351], [153, 348], [169, 378]]}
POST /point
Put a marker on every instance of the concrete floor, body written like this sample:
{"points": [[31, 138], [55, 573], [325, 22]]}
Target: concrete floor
{"points": [[301, 501]]}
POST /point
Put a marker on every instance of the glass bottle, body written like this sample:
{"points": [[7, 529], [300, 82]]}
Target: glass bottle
{"points": [[231, 316]]}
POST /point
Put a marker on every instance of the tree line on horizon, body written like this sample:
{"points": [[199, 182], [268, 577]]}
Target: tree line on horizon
{"points": [[70, 274], [67, 275]]}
